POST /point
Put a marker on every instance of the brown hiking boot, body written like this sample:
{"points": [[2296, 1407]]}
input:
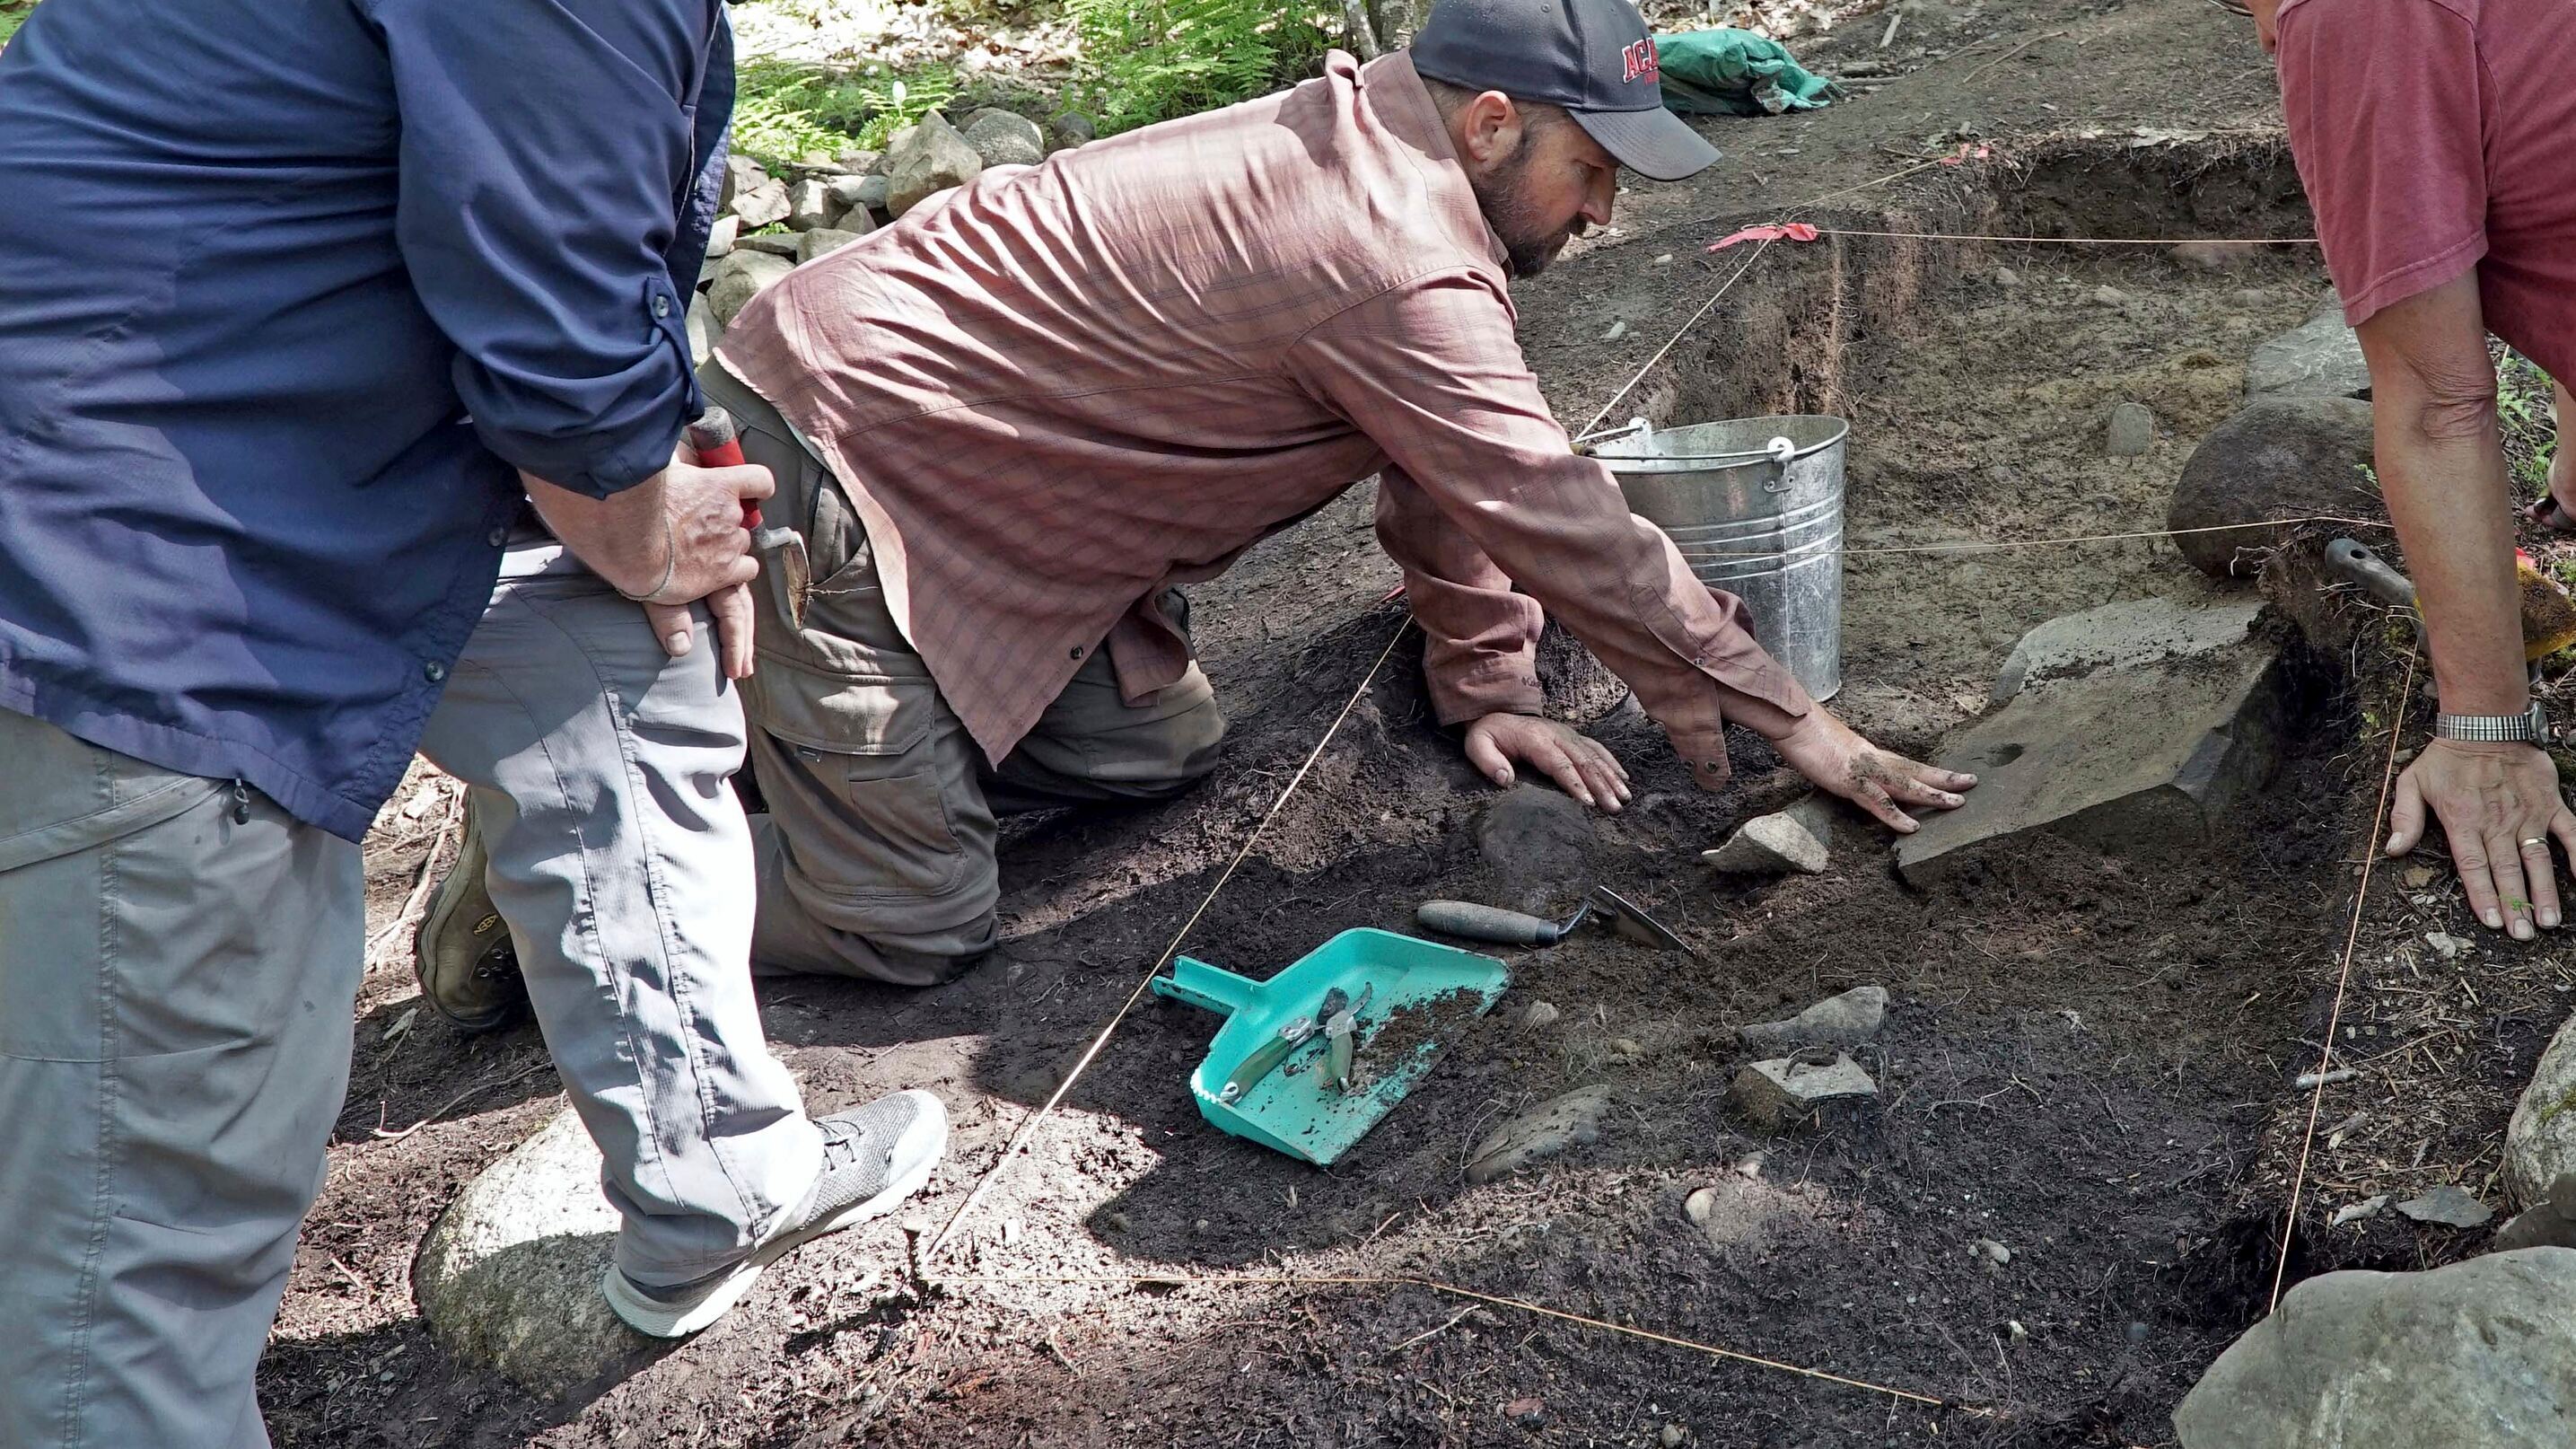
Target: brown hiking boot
{"points": [[468, 970]]}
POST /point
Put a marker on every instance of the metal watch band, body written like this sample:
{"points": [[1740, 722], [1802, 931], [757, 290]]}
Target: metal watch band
{"points": [[2531, 726]]}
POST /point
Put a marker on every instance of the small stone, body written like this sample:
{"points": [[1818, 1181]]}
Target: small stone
{"points": [[844, 190], [928, 159], [2019, 1334], [1627, 1048], [822, 241], [1068, 129], [859, 161], [1528, 1413], [1846, 1020], [2007, 277], [741, 277], [1672, 1435], [2215, 256], [2419, 876], [2446, 945], [1541, 1014], [1776, 1095], [772, 243], [1994, 1255], [1545, 1130], [2321, 359], [1004, 138], [1768, 845], [1200, 1226], [2448, 1205], [2110, 297], [2138, 1331], [763, 205], [741, 174], [720, 237], [1117, 1222], [2549, 1223], [2354, 1212], [809, 205], [2131, 432], [872, 192]]}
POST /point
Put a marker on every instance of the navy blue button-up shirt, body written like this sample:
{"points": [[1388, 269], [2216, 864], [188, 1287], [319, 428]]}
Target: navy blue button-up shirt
{"points": [[287, 291]]}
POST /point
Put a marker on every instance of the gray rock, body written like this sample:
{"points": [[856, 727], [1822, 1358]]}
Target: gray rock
{"points": [[704, 333], [2007, 277], [2473, 1354], [509, 1275], [858, 220], [1004, 138], [845, 190], [858, 161], [1846, 1020], [741, 174], [1768, 845], [1540, 1016], [1995, 1256], [2450, 1206], [2131, 433], [1776, 1095], [720, 237], [741, 277], [2296, 458], [1542, 1132], [929, 158], [2367, 1208], [2321, 359], [809, 205], [775, 243], [1741, 1211], [2124, 635], [2138, 759], [1540, 844], [822, 241], [1068, 129], [763, 205], [2110, 297], [873, 191], [2540, 1138], [2549, 1223]]}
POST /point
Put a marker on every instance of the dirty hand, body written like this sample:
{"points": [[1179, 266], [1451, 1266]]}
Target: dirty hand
{"points": [[1576, 762], [729, 609], [2499, 804], [1838, 760]]}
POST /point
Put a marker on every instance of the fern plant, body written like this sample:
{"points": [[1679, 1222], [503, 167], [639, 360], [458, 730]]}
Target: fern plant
{"points": [[1151, 60]]}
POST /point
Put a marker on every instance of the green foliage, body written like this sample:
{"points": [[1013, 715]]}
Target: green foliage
{"points": [[783, 112], [1145, 61], [2522, 415], [13, 13]]}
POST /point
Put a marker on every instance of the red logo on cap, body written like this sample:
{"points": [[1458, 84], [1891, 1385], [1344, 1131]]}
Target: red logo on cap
{"points": [[1640, 60]]}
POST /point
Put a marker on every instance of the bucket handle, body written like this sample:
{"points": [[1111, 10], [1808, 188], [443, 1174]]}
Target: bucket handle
{"points": [[1780, 452]]}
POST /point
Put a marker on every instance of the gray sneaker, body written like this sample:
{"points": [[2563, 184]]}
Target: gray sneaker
{"points": [[873, 1158], [468, 970]]}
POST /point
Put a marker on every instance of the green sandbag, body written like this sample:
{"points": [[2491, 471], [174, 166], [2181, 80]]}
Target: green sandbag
{"points": [[1735, 73]]}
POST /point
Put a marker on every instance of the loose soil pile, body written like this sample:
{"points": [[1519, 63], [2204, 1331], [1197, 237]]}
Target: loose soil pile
{"points": [[2086, 1059]]}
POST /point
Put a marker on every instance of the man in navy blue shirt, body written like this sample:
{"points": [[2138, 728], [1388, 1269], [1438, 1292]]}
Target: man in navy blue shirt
{"points": [[397, 270]]}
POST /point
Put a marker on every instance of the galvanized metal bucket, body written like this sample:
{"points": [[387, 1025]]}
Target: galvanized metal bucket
{"points": [[1756, 508]]}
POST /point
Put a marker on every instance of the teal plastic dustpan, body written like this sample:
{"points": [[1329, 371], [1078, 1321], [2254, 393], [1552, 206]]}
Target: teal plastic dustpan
{"points": [[1292, 1109]]}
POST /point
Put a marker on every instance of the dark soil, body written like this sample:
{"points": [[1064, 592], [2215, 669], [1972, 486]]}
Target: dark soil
{"points": [[2086, 1058]]}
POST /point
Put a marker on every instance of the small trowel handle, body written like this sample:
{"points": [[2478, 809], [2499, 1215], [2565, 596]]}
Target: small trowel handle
{"points": [[717, 439], [1487, 923]]}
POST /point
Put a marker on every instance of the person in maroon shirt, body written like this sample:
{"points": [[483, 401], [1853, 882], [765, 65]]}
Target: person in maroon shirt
{"points": [[2433, 139]]}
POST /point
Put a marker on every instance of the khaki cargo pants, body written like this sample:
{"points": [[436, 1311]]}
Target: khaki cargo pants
{"points": [[876, 855]]}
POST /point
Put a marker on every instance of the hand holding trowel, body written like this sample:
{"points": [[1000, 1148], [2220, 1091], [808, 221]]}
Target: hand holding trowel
{"points": [[718, 441]]}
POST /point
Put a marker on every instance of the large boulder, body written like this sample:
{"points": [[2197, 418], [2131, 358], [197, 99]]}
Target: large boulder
{"points": [[509, 1275], [2479, 1353], [2300, 458], [927, 159], [2540, 1140], [741, 277], [1004, 138]]}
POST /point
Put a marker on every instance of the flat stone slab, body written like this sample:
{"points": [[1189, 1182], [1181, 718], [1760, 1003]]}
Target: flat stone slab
{"points": [[1772, 844], [2478, 1353], [2135, 758], [2320, 359], [1572, 1120], [2123, 635], [509, 1275], [1846, 1020]]}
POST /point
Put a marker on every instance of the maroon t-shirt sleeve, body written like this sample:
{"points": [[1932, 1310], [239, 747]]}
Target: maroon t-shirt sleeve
{"points": [[2385, 101]]}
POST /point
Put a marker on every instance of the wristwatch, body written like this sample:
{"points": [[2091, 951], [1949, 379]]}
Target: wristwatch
{"points": [[2529, 727]]}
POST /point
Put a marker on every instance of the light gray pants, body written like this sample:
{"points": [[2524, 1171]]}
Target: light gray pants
{"points": [[598, 768], [178, 964]]}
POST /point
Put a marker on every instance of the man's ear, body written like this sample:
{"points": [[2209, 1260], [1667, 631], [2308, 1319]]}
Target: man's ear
{"points": [[1489, 128]]}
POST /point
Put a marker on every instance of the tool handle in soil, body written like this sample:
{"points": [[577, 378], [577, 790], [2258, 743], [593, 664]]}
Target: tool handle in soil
{"points": [[718, 441], [1487, 923]]}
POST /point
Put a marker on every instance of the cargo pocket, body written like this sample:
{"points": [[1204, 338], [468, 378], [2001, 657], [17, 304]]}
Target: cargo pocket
{"points": [[866, 806]]}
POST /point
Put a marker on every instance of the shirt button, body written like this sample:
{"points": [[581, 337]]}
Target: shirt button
{"points": [[1077, 651], [497, 537], [661, 306], [433, 671]]}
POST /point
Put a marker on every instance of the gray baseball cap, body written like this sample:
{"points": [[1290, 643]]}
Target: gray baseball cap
{"points": [[1593, 57]]}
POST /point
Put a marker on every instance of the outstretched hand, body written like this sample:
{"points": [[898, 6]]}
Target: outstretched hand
{"points": [[1835, 757], [1575, 761], [2499, 804]]}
